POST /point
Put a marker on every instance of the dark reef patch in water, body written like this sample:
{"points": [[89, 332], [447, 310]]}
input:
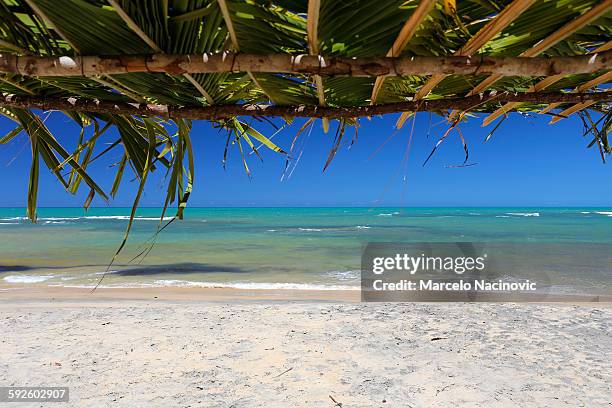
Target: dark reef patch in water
{"points": [[179, 268]]}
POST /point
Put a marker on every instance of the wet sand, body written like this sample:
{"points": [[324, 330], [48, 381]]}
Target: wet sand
{"points": [[34, 293]]}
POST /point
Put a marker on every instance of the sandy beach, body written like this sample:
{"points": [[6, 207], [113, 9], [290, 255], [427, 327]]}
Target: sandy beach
{"points": [[150, 348]]}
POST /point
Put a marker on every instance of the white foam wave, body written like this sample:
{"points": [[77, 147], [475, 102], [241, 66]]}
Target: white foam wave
{"points": [[254, 285], [311, 229], [607, 213], [362, 227], [519, 214], [225, 285], [27, 278], [120, 217], [502, 216], [103, 273], [350, 275], [88, 217], [388, 214], [152, 218]]}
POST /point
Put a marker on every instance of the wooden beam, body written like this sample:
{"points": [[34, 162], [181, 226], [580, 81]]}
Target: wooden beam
{"points": [[149, 41], [543, 84], [403, 38], [303, 64], [559, 35], [215, 112], [479, 40]]}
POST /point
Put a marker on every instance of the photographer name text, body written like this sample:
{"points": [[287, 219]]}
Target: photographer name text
{"points": [[460, 285]]}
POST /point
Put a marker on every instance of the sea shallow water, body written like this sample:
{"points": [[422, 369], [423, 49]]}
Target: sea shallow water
{"points": [[296, 248]]}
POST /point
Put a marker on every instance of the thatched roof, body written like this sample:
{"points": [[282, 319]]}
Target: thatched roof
{"points": [[139, 64]]}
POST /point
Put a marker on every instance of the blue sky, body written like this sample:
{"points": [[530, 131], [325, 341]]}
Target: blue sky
{"points": [[526, 163]]}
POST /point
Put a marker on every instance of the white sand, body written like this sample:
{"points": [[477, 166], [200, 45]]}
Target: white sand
{"points": [[283, 354]]}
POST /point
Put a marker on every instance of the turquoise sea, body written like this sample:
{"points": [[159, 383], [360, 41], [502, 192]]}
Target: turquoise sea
{"points": [[289, 247]]}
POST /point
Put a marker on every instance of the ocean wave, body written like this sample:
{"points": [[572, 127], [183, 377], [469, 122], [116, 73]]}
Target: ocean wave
{"points": [[103, 273], [48, 220], [350, 275], [332, 229], [607, 213], [520, 214], [321, 229], [502, 216], [41, 218], [254, 285], [224, 285], [121, 217], [388, 214], [27, 278]]}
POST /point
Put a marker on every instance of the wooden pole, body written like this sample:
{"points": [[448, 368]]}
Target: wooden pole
{"points": [[214, 112], [304, 64]]}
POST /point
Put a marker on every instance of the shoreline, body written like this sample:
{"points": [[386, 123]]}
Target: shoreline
{"points": [[172, 293], [39, 293]]}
